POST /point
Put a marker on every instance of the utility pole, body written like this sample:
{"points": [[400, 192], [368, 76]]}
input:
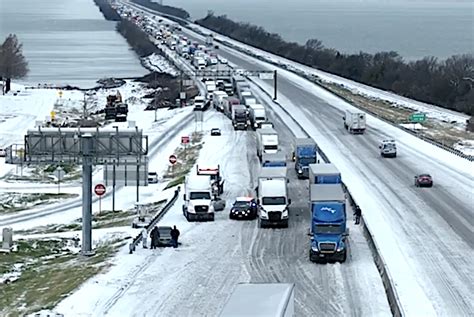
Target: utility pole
{"points": [[275, 85]]}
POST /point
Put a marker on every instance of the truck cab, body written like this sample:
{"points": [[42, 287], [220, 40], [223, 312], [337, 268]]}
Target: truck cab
{"points": [[239, 117], [272, 193], [388, 148], [304, 155], [198, 198], [328, 223]]}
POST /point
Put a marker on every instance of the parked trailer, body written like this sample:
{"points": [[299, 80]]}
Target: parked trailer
{"points": [[267, 142], [261, 300], [326, 173], [274, 159]]}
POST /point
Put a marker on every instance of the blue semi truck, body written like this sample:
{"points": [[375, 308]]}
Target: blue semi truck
{"points": [[304, 154], [325, 173], [328, 223]]}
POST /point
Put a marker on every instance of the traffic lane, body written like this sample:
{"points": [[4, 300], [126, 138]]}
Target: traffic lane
{"points": [[424, 235], [281, 255]]}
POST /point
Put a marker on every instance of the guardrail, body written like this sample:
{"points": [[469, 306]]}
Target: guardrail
{"points": [[392, 296], [154, 221]]}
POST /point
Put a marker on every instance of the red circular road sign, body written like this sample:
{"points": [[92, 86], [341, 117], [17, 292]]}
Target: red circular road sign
{"points": [[173, 159], [99, 189]]}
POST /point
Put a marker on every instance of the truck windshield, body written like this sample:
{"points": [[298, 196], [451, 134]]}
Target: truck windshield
{"points": [[273, 201], [200, 195], [307, 160], [270, 147], [321, 229]]}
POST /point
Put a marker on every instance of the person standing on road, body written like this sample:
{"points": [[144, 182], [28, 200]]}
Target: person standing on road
{"points": [[144, 238], [155, 237], [174, 237], [357, 214]]}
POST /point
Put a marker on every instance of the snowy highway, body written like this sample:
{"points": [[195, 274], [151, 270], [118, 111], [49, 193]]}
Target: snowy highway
{"points": [[425, 235], [197, 279]]}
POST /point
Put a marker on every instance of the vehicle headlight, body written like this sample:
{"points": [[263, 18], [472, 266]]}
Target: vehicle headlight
{"points": [[190, 208], [314, 248], [341, 247], [300, 170]]}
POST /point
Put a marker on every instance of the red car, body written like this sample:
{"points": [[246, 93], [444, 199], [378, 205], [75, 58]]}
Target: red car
{"points": [[423, 180]]}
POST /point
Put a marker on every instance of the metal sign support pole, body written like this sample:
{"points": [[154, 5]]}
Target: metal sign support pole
{"points": [[113, 188], [87, 195], [138, 181], [275, 85]]}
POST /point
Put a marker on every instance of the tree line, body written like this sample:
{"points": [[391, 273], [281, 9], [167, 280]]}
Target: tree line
{"points": [[447, 83], [177, 12], [137, 39], [107, 11]]}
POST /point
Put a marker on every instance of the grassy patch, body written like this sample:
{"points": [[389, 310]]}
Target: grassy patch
{"points": [[187, 157], [45, 174], [11, 202], [49, 274], [443, 132]]}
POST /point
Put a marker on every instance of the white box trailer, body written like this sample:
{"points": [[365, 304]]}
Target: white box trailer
{"points": [[257, 115], [354, 122], [267, 142], [261, 300], [218, 100]]}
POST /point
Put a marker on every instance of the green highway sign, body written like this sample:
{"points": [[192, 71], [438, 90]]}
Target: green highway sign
{"points": [[417, 117]]}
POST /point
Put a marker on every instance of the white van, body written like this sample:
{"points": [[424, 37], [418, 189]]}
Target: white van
{"points": [[388, 148]]}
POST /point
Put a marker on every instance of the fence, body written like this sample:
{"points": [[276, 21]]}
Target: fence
{"points": [[154, 221]]}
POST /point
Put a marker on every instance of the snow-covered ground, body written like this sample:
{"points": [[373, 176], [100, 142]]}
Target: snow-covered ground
{"points": [[158, 63]]}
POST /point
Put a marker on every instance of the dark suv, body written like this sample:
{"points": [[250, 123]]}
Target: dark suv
{"points": [[243, 208]]}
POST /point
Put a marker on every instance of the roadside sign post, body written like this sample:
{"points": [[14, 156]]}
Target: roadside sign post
{"points": [[172, 159], [417, 117], [59, 173], [185, 142], [99, 190]]}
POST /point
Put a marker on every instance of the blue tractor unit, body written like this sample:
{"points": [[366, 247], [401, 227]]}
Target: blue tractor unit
{"points": [[305, 153], [328, 223]]}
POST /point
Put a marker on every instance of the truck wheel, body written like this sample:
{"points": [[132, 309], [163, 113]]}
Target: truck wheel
{"points": [[260, 223], [212, 217], [344, 257], [285, 223]]}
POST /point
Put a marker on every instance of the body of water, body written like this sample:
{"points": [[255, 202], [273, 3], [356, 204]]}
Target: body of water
{"points": [[413, 28], [67, 41]]}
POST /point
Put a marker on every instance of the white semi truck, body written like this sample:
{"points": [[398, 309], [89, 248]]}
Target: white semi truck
{"points": [[261, 299], [272, 194], [257, 115], [267, 141], [198, 198], [354, 122]]}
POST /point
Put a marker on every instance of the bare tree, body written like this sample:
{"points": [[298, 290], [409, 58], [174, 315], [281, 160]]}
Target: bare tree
{"points": [[13, 64]]}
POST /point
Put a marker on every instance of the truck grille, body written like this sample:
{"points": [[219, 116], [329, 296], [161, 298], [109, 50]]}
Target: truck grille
{"points": [[201, 209], [274, 215], [327, 247]]}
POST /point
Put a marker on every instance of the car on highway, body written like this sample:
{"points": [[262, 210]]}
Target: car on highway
{"points": [[244, 208], [3, 153], [223, 60], [165, 236], [216, 131], [423, 180], [152, 177]]}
